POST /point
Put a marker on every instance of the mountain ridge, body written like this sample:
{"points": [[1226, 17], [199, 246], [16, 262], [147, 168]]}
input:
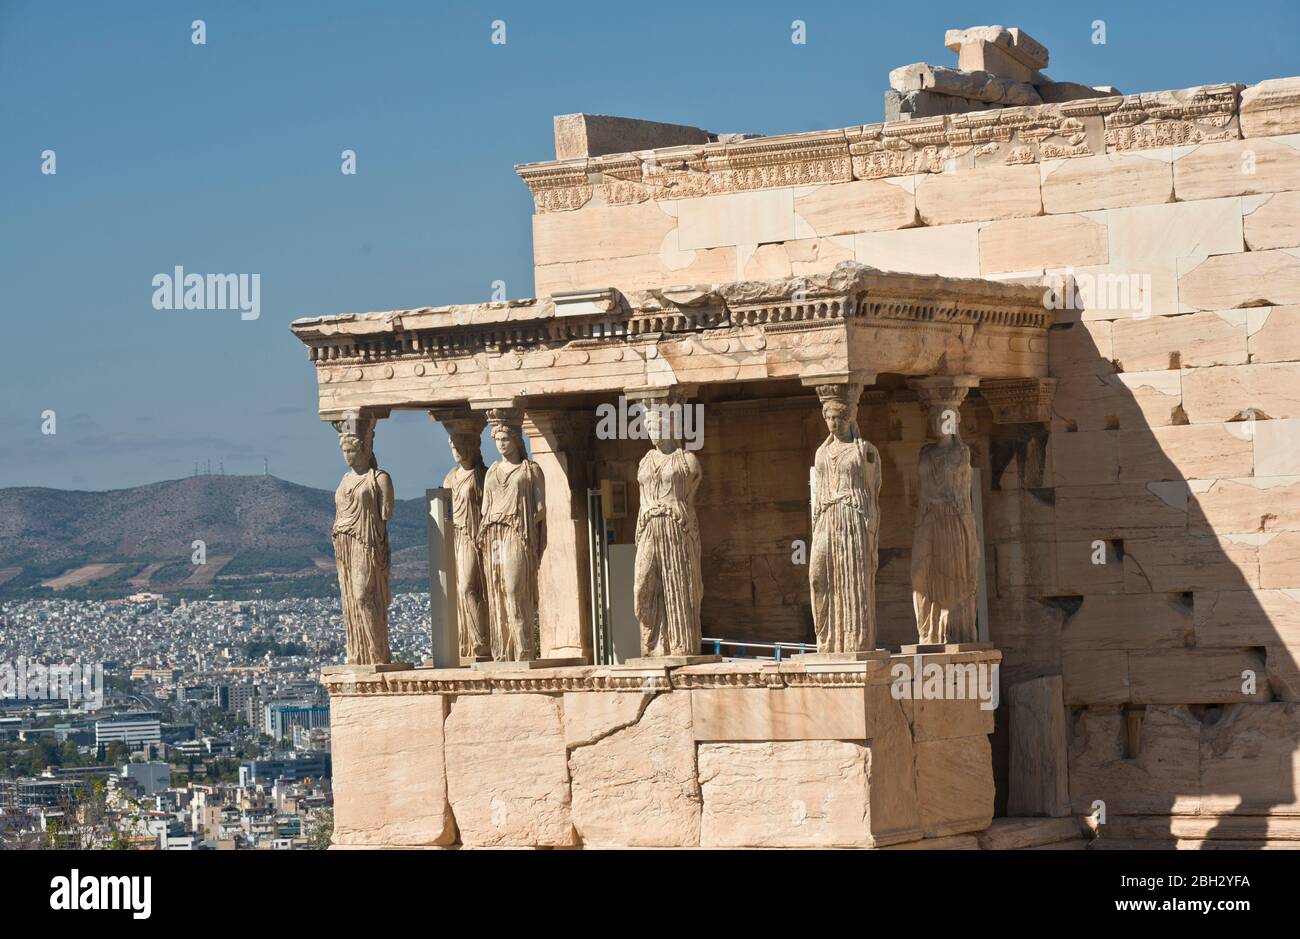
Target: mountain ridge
{"points": [[261, 536]]}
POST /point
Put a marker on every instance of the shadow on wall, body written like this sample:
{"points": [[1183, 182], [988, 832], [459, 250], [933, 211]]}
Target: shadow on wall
{"points": [[1136, 554]]}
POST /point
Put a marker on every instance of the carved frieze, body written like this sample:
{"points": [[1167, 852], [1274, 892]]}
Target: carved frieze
{"points": [[1020, 400], [997, 136], [1174, 118]]}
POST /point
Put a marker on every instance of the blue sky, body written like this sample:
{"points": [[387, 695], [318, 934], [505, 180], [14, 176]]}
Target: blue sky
{"points": [[225, 158]]}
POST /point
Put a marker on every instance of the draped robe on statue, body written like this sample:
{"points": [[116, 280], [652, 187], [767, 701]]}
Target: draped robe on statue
{"points": [[846, 532], [945, 547], [510, 546], [361, 551], [668, 579], [466, 487]]}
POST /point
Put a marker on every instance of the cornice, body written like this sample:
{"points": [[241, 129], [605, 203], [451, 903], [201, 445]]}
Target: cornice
{"points": [[851, 294], [998, 136]]}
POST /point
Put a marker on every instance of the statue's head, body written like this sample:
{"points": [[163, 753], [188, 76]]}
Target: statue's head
{"points": [[658, 422], [840, 409], [356, 449], [465, 449], [509, 442], [356, 440], [507, 433], [836, 415]]}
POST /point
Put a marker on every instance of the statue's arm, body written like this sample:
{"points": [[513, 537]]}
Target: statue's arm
{"points": [[539, 494], [695, 475], [812, 489], [878, 469], [386, 497]]}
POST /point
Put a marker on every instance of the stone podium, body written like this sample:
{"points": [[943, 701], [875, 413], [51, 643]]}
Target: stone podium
{"points": [[721, 755]]}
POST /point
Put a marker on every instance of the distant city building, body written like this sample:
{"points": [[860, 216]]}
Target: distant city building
{"points": [[152, 777], [235, 698], [312, 738], [160, 676], [135, 729], [303, 766], [283, 717], [196, 694], [37, 793]]}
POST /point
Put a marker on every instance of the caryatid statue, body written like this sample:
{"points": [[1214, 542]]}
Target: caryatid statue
{"points": [[363, 504], [668, 581], [945, 542], [465, 481], [846, 527], [511, 538]]}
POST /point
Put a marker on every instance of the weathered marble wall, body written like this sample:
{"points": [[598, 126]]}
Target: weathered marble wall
{"points": [[1148, 552], [723, 755]]}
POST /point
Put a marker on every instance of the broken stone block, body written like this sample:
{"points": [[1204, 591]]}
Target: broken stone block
{"points": [[507, 771], [893, 812], [1058, 92], [390, 784], [977, 86], [589, 716], [983, 56], [1105, 181], [637, 786], [801, 713], [589, 135], [906, 105], [1274, 222], [1016, 834], [1228, 281], [954, 785], [1155, 767], [1213, 170], [1014, 41], [1271, 108], [799, 793], [985, 193], [1039, 773]]}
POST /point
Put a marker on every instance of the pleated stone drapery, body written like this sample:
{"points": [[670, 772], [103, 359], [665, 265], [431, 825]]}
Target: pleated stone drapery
{"points": [[842, 565], [668, 578]]}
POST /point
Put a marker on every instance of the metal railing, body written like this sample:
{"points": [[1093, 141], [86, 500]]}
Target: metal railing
{"points": [[778, 649]]}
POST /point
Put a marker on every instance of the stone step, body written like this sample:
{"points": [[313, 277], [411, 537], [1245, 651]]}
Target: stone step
{"points": [[1006, 834]]}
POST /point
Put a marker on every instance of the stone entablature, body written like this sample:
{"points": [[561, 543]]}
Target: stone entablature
{"points": [[733, 754], [854, 319], [361, 680], [1004, 136]]}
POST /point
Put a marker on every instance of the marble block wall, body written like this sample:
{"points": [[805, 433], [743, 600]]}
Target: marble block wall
{"points": [[1146, 551], [724, 755]]}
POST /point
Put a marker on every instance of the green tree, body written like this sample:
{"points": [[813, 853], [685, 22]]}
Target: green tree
{"points": [[319, 829], [70, 756]]}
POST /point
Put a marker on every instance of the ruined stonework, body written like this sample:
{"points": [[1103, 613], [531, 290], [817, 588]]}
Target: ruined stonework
{"points": [[709, 755], [1116, 281]]}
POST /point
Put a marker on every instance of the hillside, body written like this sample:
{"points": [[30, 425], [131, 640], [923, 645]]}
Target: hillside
{"points": [[261, 534]]}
